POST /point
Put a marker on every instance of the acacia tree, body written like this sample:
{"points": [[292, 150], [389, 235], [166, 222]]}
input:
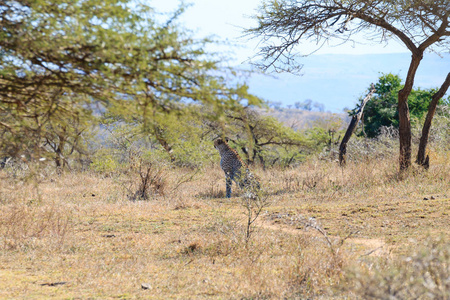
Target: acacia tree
{"points": [[418, 24], [59, 60], [259, 136]]}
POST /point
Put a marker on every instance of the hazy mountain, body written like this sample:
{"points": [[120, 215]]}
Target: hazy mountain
{"points": [[339, 80], [302, 119]]}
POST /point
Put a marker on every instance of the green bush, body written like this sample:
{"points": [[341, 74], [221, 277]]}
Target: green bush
{"points": [[104, 163], [381, 110]]}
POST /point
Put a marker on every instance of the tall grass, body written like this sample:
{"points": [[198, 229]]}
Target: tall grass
{"points": [[188, 241]]}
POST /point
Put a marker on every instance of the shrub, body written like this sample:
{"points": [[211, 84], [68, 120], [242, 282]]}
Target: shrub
{"points": [[425, 274], [104, 163]]}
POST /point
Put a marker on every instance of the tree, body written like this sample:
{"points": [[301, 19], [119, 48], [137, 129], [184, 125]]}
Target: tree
{"points": [[382, 109], [259, 136], [418, 24], [275, 104], [325, 133], [66, 133], [421, 160], [182, 136], [305, 105], [98, 55], [319, 106]]}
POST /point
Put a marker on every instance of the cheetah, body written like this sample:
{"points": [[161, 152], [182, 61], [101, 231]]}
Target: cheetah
{"points": [[232, 164]]}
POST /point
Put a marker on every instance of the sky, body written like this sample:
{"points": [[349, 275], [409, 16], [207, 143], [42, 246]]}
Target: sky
{"points": [[227, 18], [336, 82]]}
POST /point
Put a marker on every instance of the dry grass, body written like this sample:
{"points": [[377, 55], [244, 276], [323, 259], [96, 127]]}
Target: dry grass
{"points": [[79, 236]]}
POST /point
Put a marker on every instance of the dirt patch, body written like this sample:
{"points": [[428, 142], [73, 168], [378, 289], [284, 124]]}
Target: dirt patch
{"points": [[374, 247], [362, 246]]}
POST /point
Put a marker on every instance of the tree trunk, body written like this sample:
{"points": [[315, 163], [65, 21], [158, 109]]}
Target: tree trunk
{"points": [[159, 134], [351, 128], [421, 160], [59, 158], [261, 159], [255, 154], [404, 128]]}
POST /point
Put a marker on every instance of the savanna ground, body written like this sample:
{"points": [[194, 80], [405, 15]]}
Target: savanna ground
{"points": [[358, 232]]}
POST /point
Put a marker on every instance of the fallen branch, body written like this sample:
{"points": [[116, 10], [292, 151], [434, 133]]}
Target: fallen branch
{"points": [[351, 128]]}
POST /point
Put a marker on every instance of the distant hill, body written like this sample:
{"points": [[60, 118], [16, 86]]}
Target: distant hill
{"points": [[302, 119], [338, 80]]}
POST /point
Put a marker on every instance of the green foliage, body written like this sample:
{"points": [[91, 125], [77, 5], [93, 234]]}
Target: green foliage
{"points": [[61, 64], [326, 133], [179, 136], [382, 110], [185, 137], [263, 138], [104, 163]]}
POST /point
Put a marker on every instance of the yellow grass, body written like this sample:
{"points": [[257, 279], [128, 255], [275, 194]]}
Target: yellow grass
{"points": [[78, 236]]}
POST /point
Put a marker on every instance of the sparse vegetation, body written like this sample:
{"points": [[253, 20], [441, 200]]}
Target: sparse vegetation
{"points": [[422, 274], [328, 232]]}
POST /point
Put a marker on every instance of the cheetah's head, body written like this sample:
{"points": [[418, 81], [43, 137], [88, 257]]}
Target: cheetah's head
{"points": [[218, 142]]}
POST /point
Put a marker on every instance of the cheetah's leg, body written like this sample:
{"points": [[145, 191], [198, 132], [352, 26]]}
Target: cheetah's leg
{"points": [[229, 181]]}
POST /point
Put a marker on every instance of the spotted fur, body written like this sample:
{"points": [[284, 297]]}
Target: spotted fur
{"points": [[235, 168]]}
